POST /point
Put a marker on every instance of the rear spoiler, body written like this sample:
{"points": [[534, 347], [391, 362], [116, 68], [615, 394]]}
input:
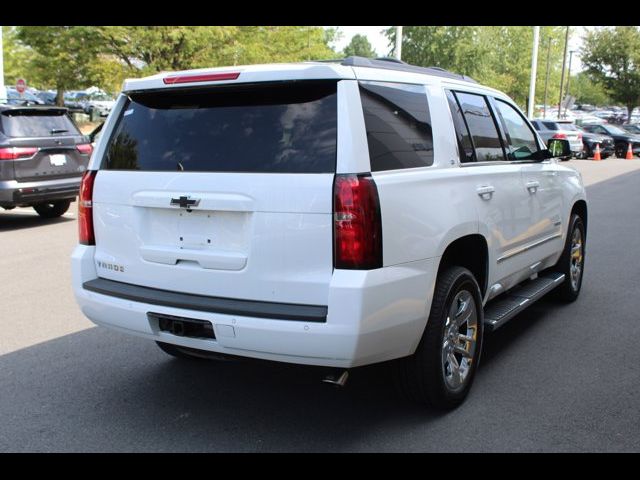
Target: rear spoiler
{"points": [[29, 110]]}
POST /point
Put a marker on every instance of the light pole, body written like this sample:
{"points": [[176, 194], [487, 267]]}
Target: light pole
{"points": [[568, 80], [398, 51], [546, 80], [3, 90], [534, 69], [564, 62]]}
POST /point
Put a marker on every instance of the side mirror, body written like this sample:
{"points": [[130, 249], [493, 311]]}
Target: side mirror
{"points": [[558, 148]]}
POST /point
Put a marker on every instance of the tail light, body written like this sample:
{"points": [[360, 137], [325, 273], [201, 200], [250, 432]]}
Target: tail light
{"points": [[15, 153], [85, 148], [85, 209], [357, 224], [560, 136], [580, 136]]}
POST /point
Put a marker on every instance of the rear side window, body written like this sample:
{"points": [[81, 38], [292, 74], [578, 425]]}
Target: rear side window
{"points": [[481, 126], [287, 127], [398, 125], [465, 146], [33, 123]]}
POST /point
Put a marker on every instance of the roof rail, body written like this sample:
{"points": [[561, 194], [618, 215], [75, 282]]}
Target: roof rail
{"points": [[391, 59], [395, 64]]}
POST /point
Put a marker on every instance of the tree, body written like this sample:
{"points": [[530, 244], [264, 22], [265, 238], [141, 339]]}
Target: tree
{"points": [[16, 57], [587, 91], [612, 58], [360, 47], [159, 48], [497, 56], [154, 49], [262, 44], [63, 56]]}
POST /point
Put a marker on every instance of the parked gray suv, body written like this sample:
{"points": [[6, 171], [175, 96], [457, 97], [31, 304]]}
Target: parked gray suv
{"points": [[42, 158]]}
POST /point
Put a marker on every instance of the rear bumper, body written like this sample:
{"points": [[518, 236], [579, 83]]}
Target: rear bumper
{"points": [[371, 316], [17, 194], [576, 147]]}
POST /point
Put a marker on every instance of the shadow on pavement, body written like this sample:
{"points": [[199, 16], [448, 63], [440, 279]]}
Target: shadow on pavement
{"points": [[16, 220], [99, 390]]}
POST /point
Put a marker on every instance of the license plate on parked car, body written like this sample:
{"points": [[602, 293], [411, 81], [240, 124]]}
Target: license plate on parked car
{"points": [[58, 160]]}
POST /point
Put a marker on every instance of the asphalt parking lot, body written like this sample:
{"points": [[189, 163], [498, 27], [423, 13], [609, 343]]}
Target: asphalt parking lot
{"points": [[556, 378]]}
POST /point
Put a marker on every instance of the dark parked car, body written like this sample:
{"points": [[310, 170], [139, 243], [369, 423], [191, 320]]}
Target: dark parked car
{"points": [[49, 98], [589, 140], [633, 128], [621, 137], [75, 101], [42, 158], [27, 98]]}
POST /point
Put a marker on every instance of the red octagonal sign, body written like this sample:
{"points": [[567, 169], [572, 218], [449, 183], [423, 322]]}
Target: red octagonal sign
{"points": [[21, 85]]}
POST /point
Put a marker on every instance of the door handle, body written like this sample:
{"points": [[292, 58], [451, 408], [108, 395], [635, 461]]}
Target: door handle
{"points": [[533, 186], [486, 192]]}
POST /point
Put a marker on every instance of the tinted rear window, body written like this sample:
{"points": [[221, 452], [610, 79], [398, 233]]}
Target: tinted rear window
{"points": [[481, 126], [398, 125], [21, 123], [286, 127], [551, 125]]}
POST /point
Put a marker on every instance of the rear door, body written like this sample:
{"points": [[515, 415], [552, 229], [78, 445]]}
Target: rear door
{"points": [[223, 191], [501, 200], [55, 140]]}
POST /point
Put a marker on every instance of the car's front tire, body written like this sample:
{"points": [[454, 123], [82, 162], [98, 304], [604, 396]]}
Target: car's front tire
{"points": [[52, 209], [441, 371], [571, 261]]}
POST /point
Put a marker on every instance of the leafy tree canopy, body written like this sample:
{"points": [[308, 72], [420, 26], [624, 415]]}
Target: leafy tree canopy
{"points": [[360, 47], [612, 57]]}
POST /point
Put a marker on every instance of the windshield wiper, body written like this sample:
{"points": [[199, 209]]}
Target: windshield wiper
{"points": [[53, 131]]}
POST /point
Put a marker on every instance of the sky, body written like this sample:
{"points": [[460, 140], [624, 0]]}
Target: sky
{"points": [[376, 38], [380, 43]]}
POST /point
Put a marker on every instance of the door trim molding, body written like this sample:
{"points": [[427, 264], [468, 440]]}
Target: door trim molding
{"points": [[525, 248]]}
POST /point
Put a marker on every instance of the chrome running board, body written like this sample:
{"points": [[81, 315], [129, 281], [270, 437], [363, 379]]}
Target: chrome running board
{"points": [[505, 307]]}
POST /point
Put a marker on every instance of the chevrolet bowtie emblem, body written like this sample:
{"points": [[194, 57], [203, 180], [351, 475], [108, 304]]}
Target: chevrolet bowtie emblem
{"points": [[185, 202]]}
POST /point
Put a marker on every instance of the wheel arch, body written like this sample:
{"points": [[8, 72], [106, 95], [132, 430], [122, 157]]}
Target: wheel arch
{"points": [[580, 208], [471, 252]]}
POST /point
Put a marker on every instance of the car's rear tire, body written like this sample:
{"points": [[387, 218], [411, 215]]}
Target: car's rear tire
{"points": [[571, 262], [441, 371], [52, 209]]}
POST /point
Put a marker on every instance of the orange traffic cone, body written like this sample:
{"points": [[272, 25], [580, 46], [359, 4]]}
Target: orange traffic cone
{"points": [[629, 153], [596, 156]]}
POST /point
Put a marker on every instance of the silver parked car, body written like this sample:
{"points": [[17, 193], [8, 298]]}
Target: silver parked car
{"points": [[548, 129]]}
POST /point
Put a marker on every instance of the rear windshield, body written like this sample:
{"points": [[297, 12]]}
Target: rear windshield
{"points": [[23, 123], [568, 126], [288, 127]]}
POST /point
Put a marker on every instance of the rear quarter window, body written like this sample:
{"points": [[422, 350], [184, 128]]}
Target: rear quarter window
{"points": [[285, 127], [31, 123], [398, 125]]}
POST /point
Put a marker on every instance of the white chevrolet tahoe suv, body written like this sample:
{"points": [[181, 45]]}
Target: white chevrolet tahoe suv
{"points": [[326, 213]]}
